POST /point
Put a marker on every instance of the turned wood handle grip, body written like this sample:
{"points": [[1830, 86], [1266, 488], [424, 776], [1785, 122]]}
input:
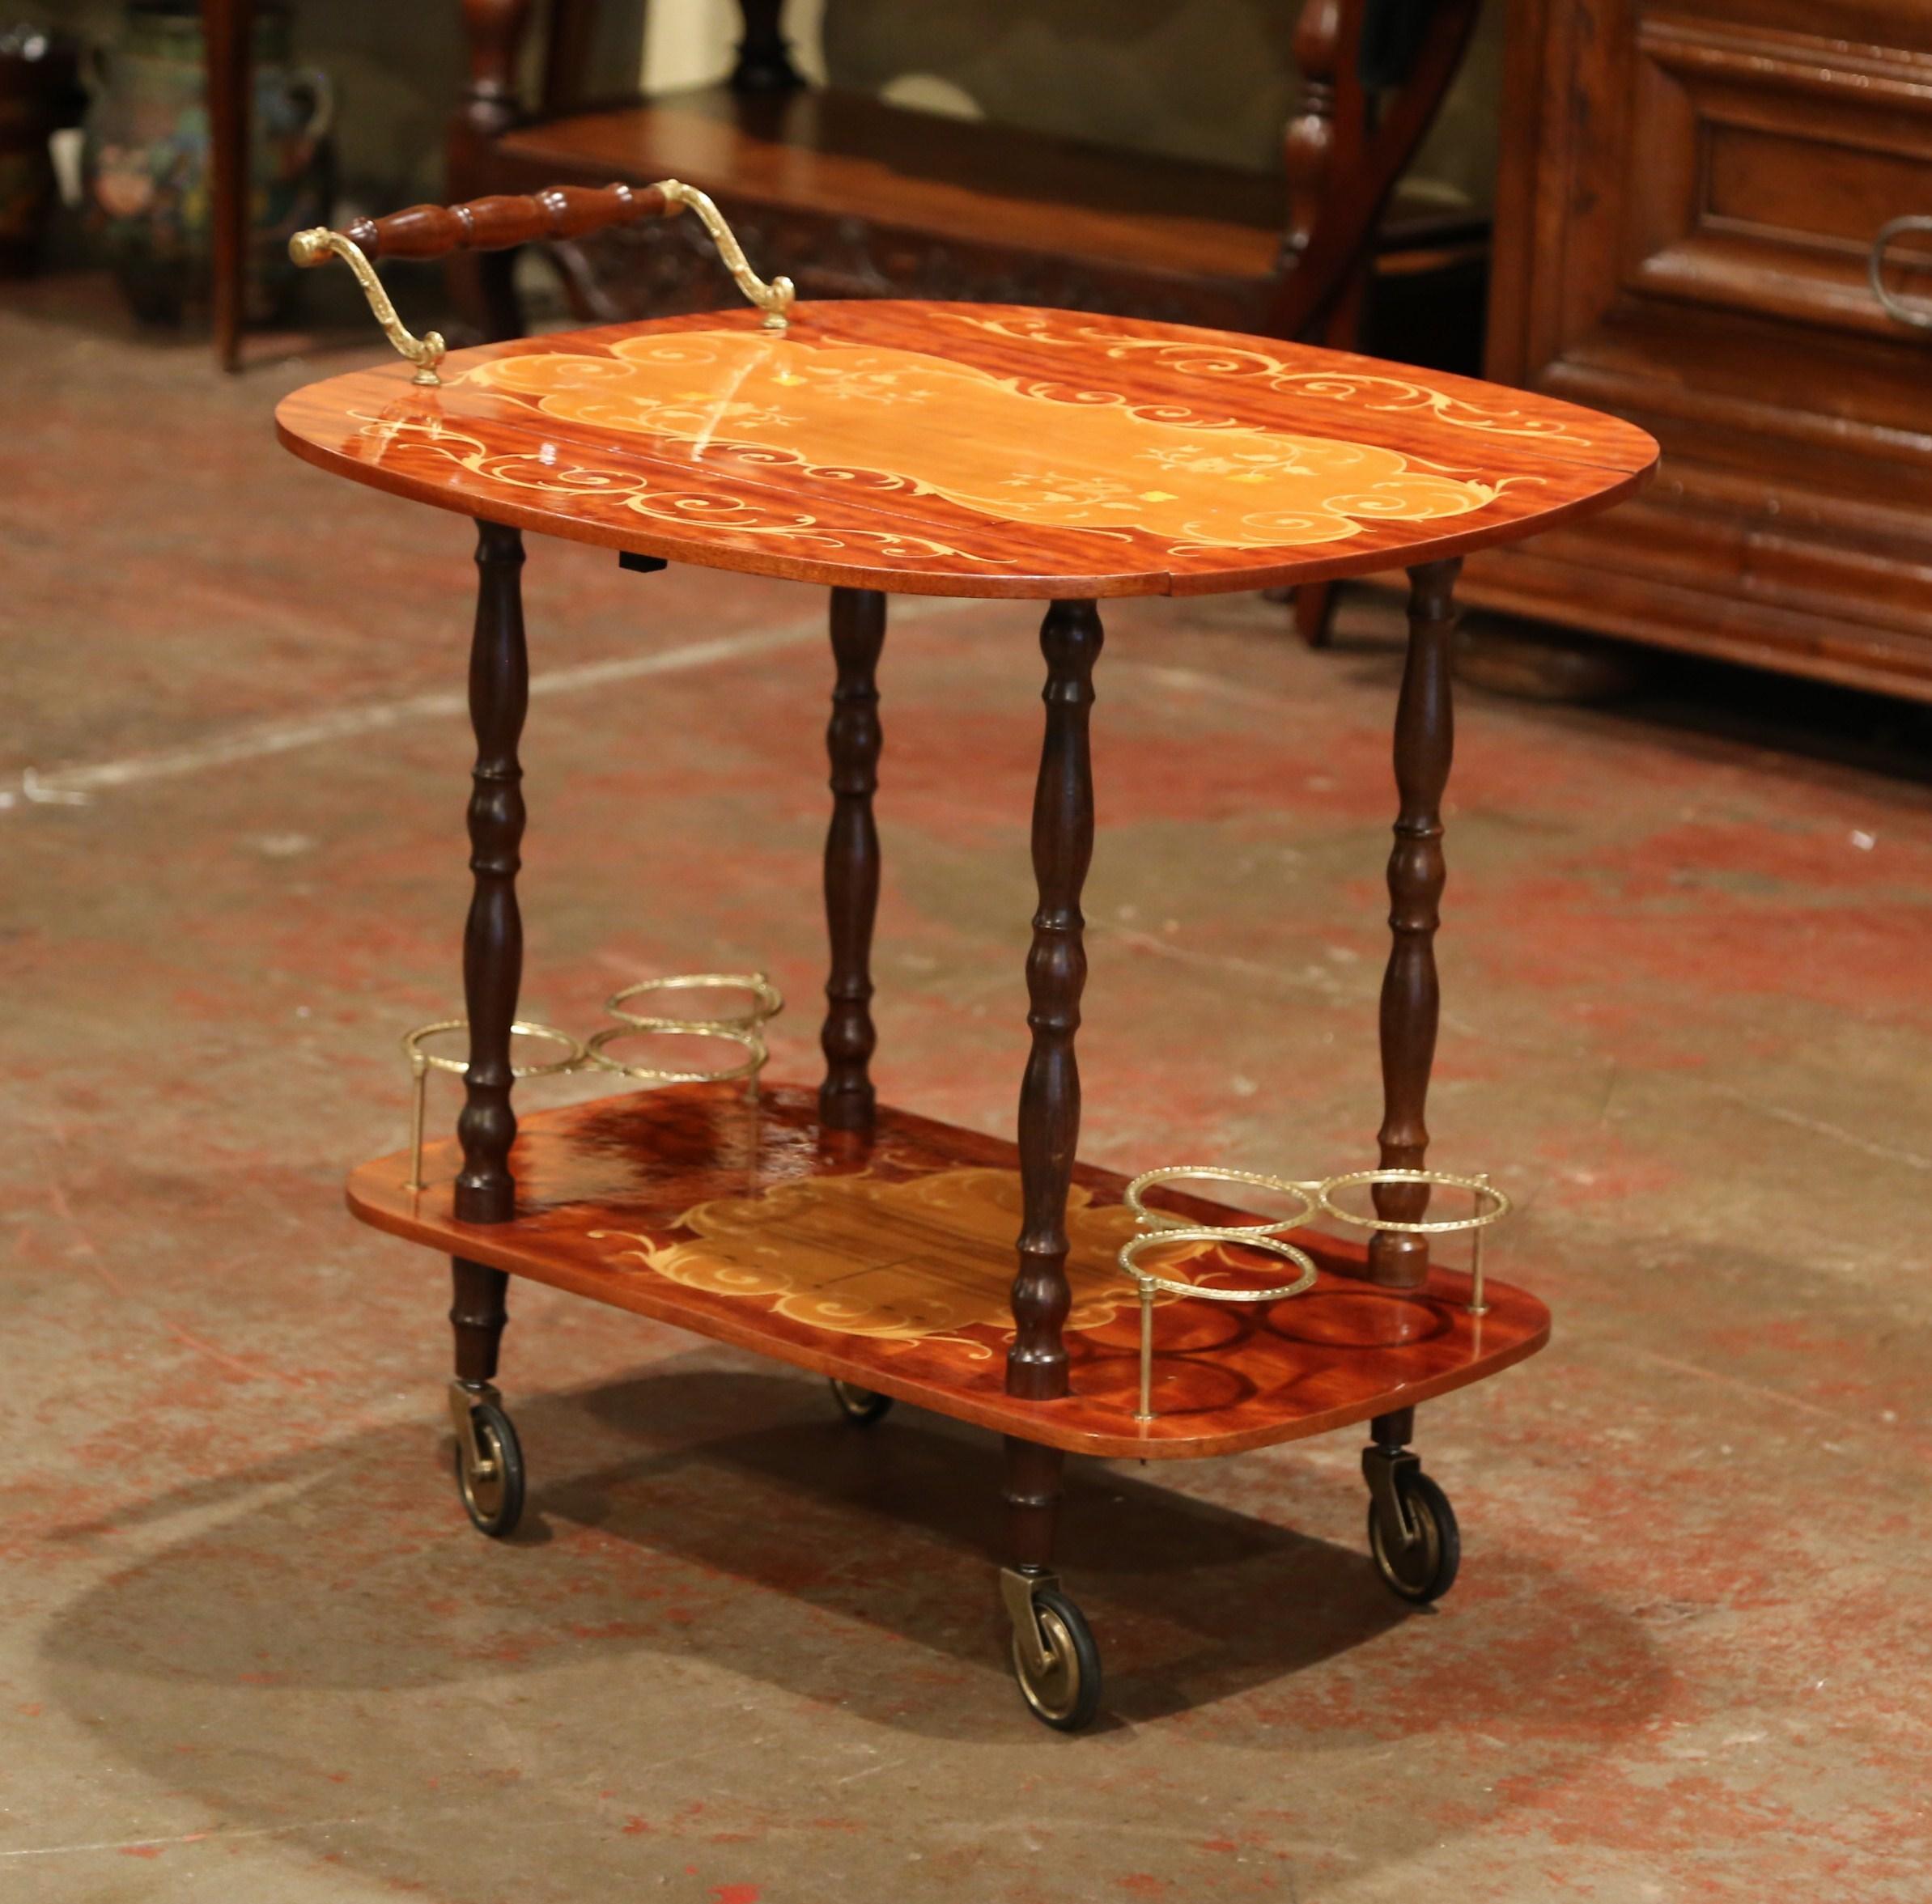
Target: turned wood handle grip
{"points": [[491, 224]]}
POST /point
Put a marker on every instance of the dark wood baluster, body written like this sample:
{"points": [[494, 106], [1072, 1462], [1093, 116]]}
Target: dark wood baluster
{"points": [[1425, 738], [1056, 971], [483, 286], [499, 694], [764, 62], [1308, 149], [851, 859], [494, 31]]}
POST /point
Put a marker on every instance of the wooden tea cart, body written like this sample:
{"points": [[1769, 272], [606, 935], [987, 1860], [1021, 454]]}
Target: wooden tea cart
{"points": [[960, 450]]}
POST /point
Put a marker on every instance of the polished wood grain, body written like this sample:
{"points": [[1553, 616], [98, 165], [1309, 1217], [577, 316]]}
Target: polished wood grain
{"points": [[1411, 993], [1056, 975], [853, 740], [854, 196], [832, 154], [496, 222], [500, 697], [892, 1267], [973, 450]]}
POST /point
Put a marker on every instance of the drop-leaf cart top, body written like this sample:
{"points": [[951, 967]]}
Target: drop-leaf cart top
{"points": [[959, 450]]}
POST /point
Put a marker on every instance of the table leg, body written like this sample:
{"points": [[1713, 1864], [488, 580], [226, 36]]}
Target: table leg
{"points": [[1425, 738], [1032, 1494], [851, 859], [1056, 971], [226, 32], [478, 1316], [499, 693]]}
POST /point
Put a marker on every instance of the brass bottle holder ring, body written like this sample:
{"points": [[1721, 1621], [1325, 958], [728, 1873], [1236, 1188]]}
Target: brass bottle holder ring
{"points": [[756, 1054], [745, 1030], [422, 1062], [1164, 1227], [767, 1001]]}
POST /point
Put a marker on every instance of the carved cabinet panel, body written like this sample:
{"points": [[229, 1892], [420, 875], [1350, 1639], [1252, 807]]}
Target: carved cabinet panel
{"points": [[1688, 196]]}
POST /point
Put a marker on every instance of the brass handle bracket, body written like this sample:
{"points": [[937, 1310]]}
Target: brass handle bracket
{"points": [[773, 299], [318, 245]]}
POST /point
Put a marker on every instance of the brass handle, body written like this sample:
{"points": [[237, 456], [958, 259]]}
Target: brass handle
{"points": [[493, 224]]}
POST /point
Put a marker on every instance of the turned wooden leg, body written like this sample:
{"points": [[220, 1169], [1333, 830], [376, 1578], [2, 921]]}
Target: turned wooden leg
{"points": [[1056, 971], [1315, 612], [1032, 1493], [478, 1317], [851, 859], [1424, 736], [499, 693]]}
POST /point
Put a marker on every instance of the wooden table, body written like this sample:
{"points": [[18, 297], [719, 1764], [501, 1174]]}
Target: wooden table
{"points": [[963, 450]]}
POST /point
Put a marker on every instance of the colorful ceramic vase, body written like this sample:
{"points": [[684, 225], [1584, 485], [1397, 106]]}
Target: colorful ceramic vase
{"points": [[148, 170]]}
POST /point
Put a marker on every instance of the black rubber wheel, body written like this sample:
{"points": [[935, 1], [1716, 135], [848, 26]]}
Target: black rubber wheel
{"points": [[1067, 1695], [1426, 1569], [859, 1405], [494, 1501]]}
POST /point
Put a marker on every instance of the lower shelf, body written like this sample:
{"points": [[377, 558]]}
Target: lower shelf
{"points": [[886, 1260]]}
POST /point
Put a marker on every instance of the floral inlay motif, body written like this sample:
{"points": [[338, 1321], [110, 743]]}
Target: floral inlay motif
{"points": [[748, 403], [407, 437], [1212, 358], [909, 1261]]}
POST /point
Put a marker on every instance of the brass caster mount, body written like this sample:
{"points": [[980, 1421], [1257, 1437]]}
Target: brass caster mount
{"points": [[1412, 1536], [1055, 1658], [488, 1458]]}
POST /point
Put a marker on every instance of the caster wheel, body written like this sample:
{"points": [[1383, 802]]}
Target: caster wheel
{"points": [[860, 1405], [492, 1490], [1065, 1694], [1424, 1570]]}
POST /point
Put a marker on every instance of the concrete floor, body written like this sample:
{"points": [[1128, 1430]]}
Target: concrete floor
{"points": [[250, 1648]]}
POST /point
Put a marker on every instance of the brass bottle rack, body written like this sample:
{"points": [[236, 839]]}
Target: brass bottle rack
{"points": [[745, 1029], [1315, 1197]]}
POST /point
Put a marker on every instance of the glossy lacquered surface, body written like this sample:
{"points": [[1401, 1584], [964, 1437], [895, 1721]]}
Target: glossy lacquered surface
{"points": [[887, 1261], [972, 450]]}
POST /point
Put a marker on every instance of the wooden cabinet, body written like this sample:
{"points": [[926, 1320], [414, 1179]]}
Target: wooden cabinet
{"points": [[1688, 192]]}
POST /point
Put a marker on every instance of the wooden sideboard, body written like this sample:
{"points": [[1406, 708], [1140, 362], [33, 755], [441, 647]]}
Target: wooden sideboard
{"points": [[1688, 191]]}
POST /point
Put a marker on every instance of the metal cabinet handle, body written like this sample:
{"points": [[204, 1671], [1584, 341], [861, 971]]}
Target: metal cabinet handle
{"points": [[1919, 316]]}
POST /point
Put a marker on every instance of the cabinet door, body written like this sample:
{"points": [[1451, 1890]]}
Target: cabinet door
{"points": [[1688, 196]]}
